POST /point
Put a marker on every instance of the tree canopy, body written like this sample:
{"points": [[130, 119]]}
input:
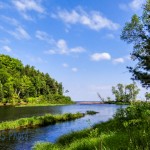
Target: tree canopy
{"points": [[125, 93], [22, 82], [137, 32]]}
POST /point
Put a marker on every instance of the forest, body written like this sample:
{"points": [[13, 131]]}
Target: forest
{"points": [[25, 84]]}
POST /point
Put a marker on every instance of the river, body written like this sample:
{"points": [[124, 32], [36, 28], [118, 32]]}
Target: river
{"points": [[24, 139]]}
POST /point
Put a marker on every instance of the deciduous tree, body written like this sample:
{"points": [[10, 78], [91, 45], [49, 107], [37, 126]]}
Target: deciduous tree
{"points": [[137, 32]]}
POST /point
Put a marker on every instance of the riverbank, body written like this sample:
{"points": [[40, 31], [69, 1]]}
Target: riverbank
{"points": [[23, 104], [37, 105], [31, 122], [99, 102], [129, 129]]}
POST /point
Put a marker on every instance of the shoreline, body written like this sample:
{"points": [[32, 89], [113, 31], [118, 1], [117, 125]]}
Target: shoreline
{"points": [[38, 121], [89, 102], [32, 105]]}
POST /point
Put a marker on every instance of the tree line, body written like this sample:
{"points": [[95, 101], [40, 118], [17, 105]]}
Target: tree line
{"points": [[123, 93], [19, 82]]}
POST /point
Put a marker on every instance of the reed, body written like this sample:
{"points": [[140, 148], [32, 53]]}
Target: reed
{"points": [[38, 121]]}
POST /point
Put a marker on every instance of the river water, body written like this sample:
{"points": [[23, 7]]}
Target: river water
{"points": [[24, 139]]}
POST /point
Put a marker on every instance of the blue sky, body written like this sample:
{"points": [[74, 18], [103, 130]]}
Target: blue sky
{"points": [[76, 41]]}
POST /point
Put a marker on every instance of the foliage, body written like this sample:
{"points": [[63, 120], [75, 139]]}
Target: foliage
{"points": [[24, 83], [147, 96], [125, 93], [129, 129], [91, 112], [38, 121], [137, 32]]}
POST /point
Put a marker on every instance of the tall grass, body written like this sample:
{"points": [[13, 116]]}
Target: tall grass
{"points": [[128, 130], [38, 121]]}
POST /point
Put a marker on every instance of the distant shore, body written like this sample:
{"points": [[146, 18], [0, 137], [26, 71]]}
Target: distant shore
{"points": [[99, 102], [89, 102]]}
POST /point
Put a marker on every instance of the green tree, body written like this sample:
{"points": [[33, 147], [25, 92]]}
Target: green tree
{"points": [[18, 82], [125, 93], [118, 91], [1, 92], [60, 89], [137, 32], [131, 92], [147, 96]]}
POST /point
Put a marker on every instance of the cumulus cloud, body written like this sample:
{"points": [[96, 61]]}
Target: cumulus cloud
{"points": [[74, 69], [118, 60], [7, 48], [134, 5], [78, 49], [93, 19], [121, 60], [61, 47], [100, 56], [23, 6]]}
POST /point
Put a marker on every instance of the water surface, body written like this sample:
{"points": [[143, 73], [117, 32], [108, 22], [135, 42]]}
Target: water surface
{"points": [[25, 139]]}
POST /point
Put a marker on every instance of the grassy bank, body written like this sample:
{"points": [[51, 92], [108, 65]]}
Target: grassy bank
{"points": [[129, 129], [39, 121], [36, 105], [43, 100], [33, 104]]}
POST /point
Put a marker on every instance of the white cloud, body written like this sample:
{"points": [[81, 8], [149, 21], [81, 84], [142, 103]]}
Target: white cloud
{"points": [[65, 65], [128, 57], [93, 19], [100, 56], [28, 5], [41, 35], [7, 48], [20, 33], [23, 6], [77, 50], [74, 69], [121, 59], [118, 60], [135, 5], [61, 47]]}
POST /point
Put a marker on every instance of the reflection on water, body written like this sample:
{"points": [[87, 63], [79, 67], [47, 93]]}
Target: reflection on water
{"points": [[25, 139]]}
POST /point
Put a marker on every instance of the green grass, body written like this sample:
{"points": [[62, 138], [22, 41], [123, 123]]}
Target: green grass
{"points": [[128, 130], [91, 112], [36, 105], [38, 121]]}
